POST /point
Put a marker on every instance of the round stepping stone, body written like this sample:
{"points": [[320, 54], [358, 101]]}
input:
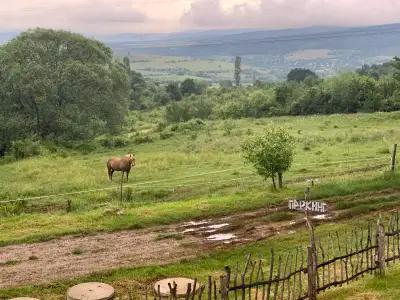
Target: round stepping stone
{"points": [[90, 291], [181, 288]]}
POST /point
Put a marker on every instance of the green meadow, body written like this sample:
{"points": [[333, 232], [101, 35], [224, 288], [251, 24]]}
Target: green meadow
{"points": [[190, 170]]}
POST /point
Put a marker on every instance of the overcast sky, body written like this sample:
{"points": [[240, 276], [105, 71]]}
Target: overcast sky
{"points": [[115, 16]]}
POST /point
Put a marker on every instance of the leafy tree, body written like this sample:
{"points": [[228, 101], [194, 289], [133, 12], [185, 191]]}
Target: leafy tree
{"points": [[161, 97], [300, 75], [59, 85], [396, 65], [178, 112], [173, 91], [127, 63], [138, 87], [189, 87], [271, 154], [238, 70]]}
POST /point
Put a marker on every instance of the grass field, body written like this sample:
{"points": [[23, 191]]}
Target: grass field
{"points": [[196, 172], [174, 68]]}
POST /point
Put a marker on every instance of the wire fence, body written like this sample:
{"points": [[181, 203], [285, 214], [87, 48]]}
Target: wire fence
{"points": [[170, 182]]}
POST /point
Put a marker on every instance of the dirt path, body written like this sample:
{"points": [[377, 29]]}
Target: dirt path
{"points": [[72, 256]]}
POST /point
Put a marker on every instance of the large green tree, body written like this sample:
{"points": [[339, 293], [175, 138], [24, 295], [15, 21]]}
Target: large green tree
{"points": [[60, 85], [271, 153], [299, 75]]}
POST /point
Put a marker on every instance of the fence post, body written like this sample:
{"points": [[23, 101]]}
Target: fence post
{"points": [[224, 287], [311, 257], [394, 157], [312, 272], [380, 253], [122, 180]]}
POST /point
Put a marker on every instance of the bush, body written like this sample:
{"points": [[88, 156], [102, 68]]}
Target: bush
{"points": [[143, 139], [228, 126], [192, 125], [166, 135], [85, 148], [25, 148], [111, 142], [198, 108]]}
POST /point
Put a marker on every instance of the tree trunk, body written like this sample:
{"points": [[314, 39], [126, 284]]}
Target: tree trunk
{"points": [[273, 181], [280, 180], [37, 117]]}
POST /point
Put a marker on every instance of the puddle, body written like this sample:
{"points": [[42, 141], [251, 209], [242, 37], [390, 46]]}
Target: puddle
{"points": [[215, 226], [292, 222], [194, 223], [321, 217], [189, 230], [210, 231], [221, 237]]}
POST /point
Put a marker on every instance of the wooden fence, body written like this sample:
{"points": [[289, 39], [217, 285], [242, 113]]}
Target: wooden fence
{"points": [[302, 273], [332, 261]]}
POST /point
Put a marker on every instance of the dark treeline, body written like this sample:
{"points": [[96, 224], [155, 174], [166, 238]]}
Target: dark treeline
{"points": [[369, 89]]}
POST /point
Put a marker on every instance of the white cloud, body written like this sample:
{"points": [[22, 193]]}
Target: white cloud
{"points": [[105, 16], [81, 15], [291, 13]]}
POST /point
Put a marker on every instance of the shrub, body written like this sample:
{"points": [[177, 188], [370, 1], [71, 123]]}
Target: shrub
{"points": [[85, 148], [192, 125], [143, 139], [228, 126], [166, 135], [114, 142], [25, 148]]}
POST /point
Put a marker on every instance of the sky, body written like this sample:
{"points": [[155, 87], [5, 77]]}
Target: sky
{"points": [[121, 16]]}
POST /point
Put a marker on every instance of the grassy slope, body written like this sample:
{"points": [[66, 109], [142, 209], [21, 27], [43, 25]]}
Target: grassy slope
{"points": [[370, 288], [321, 141]]}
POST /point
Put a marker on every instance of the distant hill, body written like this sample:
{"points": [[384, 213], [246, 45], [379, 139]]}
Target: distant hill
{"points": [[382, 40], [6, 36], [266, 54]]}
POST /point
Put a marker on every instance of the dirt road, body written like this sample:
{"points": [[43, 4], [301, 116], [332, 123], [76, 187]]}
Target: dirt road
{"points": [[72, 256]]}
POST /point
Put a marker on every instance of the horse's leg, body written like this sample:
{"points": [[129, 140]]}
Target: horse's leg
{"points": [[111, 173], [127, 175]]}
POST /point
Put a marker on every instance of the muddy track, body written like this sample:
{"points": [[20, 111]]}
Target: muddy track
{"points": [[73, 256]]}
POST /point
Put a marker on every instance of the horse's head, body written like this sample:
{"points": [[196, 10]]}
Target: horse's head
{"points": [[131, 158]]}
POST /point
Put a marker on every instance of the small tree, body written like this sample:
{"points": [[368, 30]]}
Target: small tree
{"points": [[173, 91], [238, 70], [396, 65], [300, 75], [127, 63], [189, 87], [271, 153]]}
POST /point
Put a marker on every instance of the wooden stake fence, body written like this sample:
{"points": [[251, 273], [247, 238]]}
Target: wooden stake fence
{"points": [[336, 260]]}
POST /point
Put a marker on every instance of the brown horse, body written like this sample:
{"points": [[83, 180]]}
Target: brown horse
{"points": [[123, 164]]}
